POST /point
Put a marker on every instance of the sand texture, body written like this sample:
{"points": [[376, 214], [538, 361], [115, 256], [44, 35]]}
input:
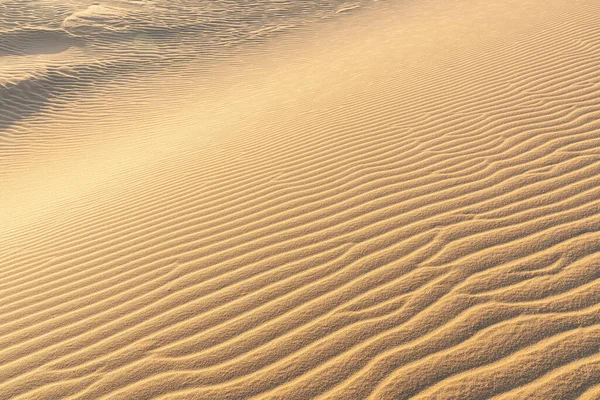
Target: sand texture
{"points": [[286, 199]]}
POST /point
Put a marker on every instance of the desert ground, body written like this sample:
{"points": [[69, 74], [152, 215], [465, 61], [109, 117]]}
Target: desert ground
{"points": [[280, 199]]}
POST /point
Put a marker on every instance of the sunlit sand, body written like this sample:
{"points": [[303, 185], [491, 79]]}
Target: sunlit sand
{"points": [[298, 200]]}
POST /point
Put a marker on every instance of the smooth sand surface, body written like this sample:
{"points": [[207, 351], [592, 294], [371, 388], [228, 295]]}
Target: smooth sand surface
{"points": [[295, 200]]}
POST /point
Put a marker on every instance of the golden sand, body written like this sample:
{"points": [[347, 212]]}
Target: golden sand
{"points": [[400, 199]]}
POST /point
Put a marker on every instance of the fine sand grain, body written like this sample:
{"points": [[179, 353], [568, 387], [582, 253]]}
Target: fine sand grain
{"points": [[295, 200]]}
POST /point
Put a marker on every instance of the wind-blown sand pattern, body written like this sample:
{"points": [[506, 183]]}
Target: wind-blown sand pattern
{"points": [[297, 200]]}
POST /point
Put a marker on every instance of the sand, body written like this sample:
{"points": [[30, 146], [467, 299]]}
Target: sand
{"points": [[297, 200]]}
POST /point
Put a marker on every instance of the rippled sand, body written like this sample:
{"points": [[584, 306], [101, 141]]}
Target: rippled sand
{"points": [[292, 199]]}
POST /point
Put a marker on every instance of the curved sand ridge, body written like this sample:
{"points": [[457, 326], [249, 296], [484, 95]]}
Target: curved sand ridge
{"points": [[403, 203]]}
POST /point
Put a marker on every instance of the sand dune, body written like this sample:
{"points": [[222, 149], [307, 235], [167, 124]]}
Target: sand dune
{"points": [[296, 200]]}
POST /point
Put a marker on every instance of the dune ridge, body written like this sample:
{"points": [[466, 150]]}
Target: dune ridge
{"points": [[402, 202]]}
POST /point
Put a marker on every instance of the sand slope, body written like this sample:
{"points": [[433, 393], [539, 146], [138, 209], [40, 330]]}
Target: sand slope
{"points": [[401, 200]]}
